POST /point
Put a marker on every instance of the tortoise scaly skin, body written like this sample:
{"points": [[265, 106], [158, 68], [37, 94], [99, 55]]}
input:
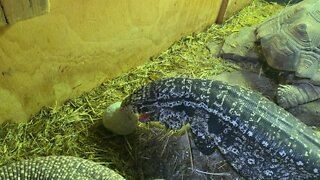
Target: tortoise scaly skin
{"points": [[258, 138]]}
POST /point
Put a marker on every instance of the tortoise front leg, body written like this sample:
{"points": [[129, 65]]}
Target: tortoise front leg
{"points": [[293, 95]]}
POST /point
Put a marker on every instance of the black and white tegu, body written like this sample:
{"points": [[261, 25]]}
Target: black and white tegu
{"points": [[259, 139]]}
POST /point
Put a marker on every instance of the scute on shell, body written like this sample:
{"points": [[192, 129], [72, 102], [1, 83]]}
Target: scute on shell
{"points": [[290, 41]]}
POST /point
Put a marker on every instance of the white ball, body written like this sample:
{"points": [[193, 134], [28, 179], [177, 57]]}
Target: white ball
{"points": [[119, 121]]}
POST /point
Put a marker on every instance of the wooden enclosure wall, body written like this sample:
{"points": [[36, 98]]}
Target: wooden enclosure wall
{"points": [[12, 11], [79, 44], [230, 7]]}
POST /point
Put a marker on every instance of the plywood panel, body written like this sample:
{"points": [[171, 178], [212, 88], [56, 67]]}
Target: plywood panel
{"points": [[17, 10], [230, 7], [3, 21], [79, 44]]}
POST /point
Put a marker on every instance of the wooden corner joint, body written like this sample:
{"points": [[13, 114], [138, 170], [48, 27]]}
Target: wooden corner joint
{"points": [[12, 11]]}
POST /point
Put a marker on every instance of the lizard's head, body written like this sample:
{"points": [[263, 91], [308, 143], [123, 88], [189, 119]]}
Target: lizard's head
{"points": [[143, 102], [153, 102]]}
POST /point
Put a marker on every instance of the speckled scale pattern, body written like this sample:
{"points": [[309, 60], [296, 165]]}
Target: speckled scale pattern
{"points": [[57, 168], [258, 138]]}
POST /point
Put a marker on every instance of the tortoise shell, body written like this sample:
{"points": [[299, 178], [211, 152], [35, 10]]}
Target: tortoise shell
{"points": [[290, 41]]}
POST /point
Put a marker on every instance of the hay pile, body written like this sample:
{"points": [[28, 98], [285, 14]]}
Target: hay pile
{"points": [[75, 128]]}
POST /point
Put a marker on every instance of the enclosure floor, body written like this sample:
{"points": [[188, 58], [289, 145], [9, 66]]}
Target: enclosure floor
{"points": [[75, 127]]}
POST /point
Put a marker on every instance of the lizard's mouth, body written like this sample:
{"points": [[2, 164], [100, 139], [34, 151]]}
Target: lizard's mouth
{"points": [[144, 117]]}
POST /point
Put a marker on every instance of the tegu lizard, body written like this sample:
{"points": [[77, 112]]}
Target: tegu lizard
{"points": [[259, 139], [57, 168]]}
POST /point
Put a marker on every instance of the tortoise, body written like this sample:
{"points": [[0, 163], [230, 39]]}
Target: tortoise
{"points": [[290, 42]]}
